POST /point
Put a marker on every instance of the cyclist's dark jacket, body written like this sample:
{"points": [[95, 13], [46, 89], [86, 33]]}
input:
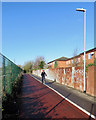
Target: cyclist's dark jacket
{"points": [[43, 74]]}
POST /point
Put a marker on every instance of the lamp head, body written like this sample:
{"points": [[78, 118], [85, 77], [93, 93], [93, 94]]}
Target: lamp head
{"points": [[81, 9]]}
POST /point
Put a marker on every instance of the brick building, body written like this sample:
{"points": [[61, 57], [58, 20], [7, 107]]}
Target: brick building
{"points": [[74, 61], [60, 62]]}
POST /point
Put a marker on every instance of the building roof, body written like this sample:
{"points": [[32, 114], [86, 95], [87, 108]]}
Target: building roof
{"points": [[65, 58], [59, 59], [88, 51]]}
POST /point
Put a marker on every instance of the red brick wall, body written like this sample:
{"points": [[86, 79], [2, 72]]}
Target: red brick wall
{"points": [[91, 82], [62, 64], [74, 77], [95, 80], [70, 76], [89, 60], [78, 78]]}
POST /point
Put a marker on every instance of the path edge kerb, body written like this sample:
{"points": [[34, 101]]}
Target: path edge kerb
{"points": [[91, 115]]}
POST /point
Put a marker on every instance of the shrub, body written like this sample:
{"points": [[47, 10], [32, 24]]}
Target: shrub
{"points": [[55, 64], [94, 62]]}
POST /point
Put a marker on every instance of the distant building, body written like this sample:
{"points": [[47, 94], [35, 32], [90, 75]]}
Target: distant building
{"points": [[60, 62], [74, 61]]}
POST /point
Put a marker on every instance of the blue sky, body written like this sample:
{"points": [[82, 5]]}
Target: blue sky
{"points": [[49, 29]]}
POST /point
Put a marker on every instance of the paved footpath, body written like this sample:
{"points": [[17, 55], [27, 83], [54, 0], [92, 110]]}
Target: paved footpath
{"points": [[39, 102]]}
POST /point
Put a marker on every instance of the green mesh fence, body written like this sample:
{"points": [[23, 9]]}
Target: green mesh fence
{"points": [[9, 72]]}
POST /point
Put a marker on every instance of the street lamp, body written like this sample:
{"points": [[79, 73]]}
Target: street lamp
{"points": [[84, 10]]}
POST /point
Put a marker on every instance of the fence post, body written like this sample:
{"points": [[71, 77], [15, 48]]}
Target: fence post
{"points": [[11, 73], [3, 73]]}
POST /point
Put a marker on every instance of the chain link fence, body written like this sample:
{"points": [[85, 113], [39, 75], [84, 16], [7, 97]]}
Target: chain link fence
{"points": [[9, 72]]}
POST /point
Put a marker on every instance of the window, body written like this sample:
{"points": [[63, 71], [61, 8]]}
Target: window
{"points": [[83, 57], [92, 53], [89, 56], [78, 59], [69, 61], [95, 54], [75, 59], [53, 63], [50, 64], [72, 61]]}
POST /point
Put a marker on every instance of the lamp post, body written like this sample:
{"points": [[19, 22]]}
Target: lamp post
{"points": [[84, 10]]}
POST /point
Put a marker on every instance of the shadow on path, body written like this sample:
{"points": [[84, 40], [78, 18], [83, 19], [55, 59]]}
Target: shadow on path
{"points": [[58, 104], [39, 102]]}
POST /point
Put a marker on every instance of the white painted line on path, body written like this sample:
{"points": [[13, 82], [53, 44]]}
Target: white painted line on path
{"points": [[68, 100]]}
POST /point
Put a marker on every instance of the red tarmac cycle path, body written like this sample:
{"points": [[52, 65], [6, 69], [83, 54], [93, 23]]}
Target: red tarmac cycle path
{"points": [[38, 101]]}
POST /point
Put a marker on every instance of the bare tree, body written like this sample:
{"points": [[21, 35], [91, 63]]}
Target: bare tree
{"points": [[75, 53], [37, 62]]}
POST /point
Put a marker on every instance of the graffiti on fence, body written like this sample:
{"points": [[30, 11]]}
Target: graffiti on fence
{"points": [[78, 78]]}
